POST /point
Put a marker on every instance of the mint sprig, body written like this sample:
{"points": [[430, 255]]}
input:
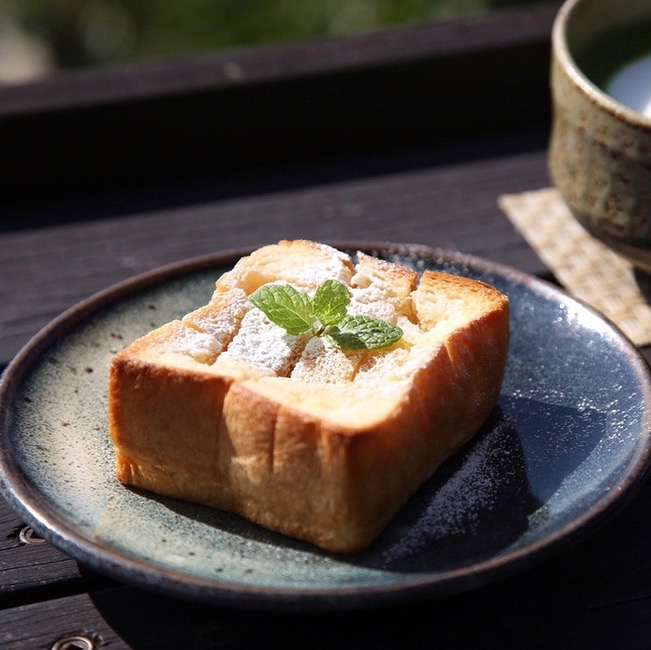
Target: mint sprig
{"points": [[285, 306], [323, 315], [330, 301], [357, 332]]}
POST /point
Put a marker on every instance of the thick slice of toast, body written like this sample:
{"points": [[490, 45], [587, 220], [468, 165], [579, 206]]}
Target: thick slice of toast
{"points": [[226, 409]]}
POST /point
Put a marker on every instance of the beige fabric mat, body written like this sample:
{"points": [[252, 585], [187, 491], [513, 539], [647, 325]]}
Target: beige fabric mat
{"points": [[585, 267]]}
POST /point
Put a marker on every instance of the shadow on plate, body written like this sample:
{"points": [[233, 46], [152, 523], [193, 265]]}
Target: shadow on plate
{"points": [[482, 501], [476, 506]]}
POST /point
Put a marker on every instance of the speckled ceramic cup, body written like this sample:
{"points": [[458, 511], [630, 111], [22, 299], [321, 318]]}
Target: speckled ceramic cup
{"points": [[600, 150]]}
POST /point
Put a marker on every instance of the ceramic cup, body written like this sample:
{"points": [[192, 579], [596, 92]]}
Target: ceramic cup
{"points": [[600, 149]]}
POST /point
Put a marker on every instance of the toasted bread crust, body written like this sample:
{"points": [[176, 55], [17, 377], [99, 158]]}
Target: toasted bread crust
{"points": [[326, 462]]}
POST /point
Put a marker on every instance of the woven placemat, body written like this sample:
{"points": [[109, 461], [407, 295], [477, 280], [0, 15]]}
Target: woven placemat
{"points": [[585, 267]]}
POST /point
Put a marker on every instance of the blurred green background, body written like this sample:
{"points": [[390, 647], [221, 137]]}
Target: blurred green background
{"points": [[39, 36]]}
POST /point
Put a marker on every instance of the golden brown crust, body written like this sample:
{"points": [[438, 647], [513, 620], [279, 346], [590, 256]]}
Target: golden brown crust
{"points": [[331, 473]]}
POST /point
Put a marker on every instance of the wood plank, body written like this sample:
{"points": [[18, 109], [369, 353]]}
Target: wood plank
{"points": [[369, 93], [273, 63], [34, 570], [560, 603], [50, 269]]}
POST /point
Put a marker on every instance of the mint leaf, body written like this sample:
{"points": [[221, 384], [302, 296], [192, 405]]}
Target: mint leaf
{"points": [[325, 315], [359, 332], [285, 306], [330, 302]]}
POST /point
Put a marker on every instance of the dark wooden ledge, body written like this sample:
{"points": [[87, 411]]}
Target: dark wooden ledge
{"points": [[281, 104]]}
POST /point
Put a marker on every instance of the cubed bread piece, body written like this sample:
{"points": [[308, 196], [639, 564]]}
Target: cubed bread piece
{"points": [[315, 442], [382, 289], [270, 348], [221, 317], [303, 264]]}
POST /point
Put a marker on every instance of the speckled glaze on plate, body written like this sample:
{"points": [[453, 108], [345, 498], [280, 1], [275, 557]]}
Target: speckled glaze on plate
{"points": [[566, 446]]}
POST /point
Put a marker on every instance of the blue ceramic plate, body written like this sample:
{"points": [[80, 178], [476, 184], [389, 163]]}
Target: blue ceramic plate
{"points": [[565, 447]]}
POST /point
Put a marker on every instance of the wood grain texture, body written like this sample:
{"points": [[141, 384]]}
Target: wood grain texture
{"points": [[451, 205], [36, 571]]}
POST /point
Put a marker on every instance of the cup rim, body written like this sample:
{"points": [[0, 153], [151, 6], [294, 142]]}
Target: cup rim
{"points": [[562, 51]]}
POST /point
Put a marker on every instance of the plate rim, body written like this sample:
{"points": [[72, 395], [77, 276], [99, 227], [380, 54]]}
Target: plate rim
{"points": [[43, 519]]}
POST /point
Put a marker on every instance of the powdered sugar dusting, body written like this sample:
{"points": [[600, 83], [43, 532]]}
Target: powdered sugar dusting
{"points": [[221, 317], [383, 366], [371, 304], [309, 277], [460, 499], [321, 362], [379, 282], [261, 343], [185, 340]]}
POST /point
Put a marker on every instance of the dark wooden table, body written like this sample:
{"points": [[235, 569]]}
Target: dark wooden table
{"points": [[404, 136]]}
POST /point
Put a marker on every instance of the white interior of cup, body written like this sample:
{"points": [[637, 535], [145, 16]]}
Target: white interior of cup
{"points": [[576, 26]]}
